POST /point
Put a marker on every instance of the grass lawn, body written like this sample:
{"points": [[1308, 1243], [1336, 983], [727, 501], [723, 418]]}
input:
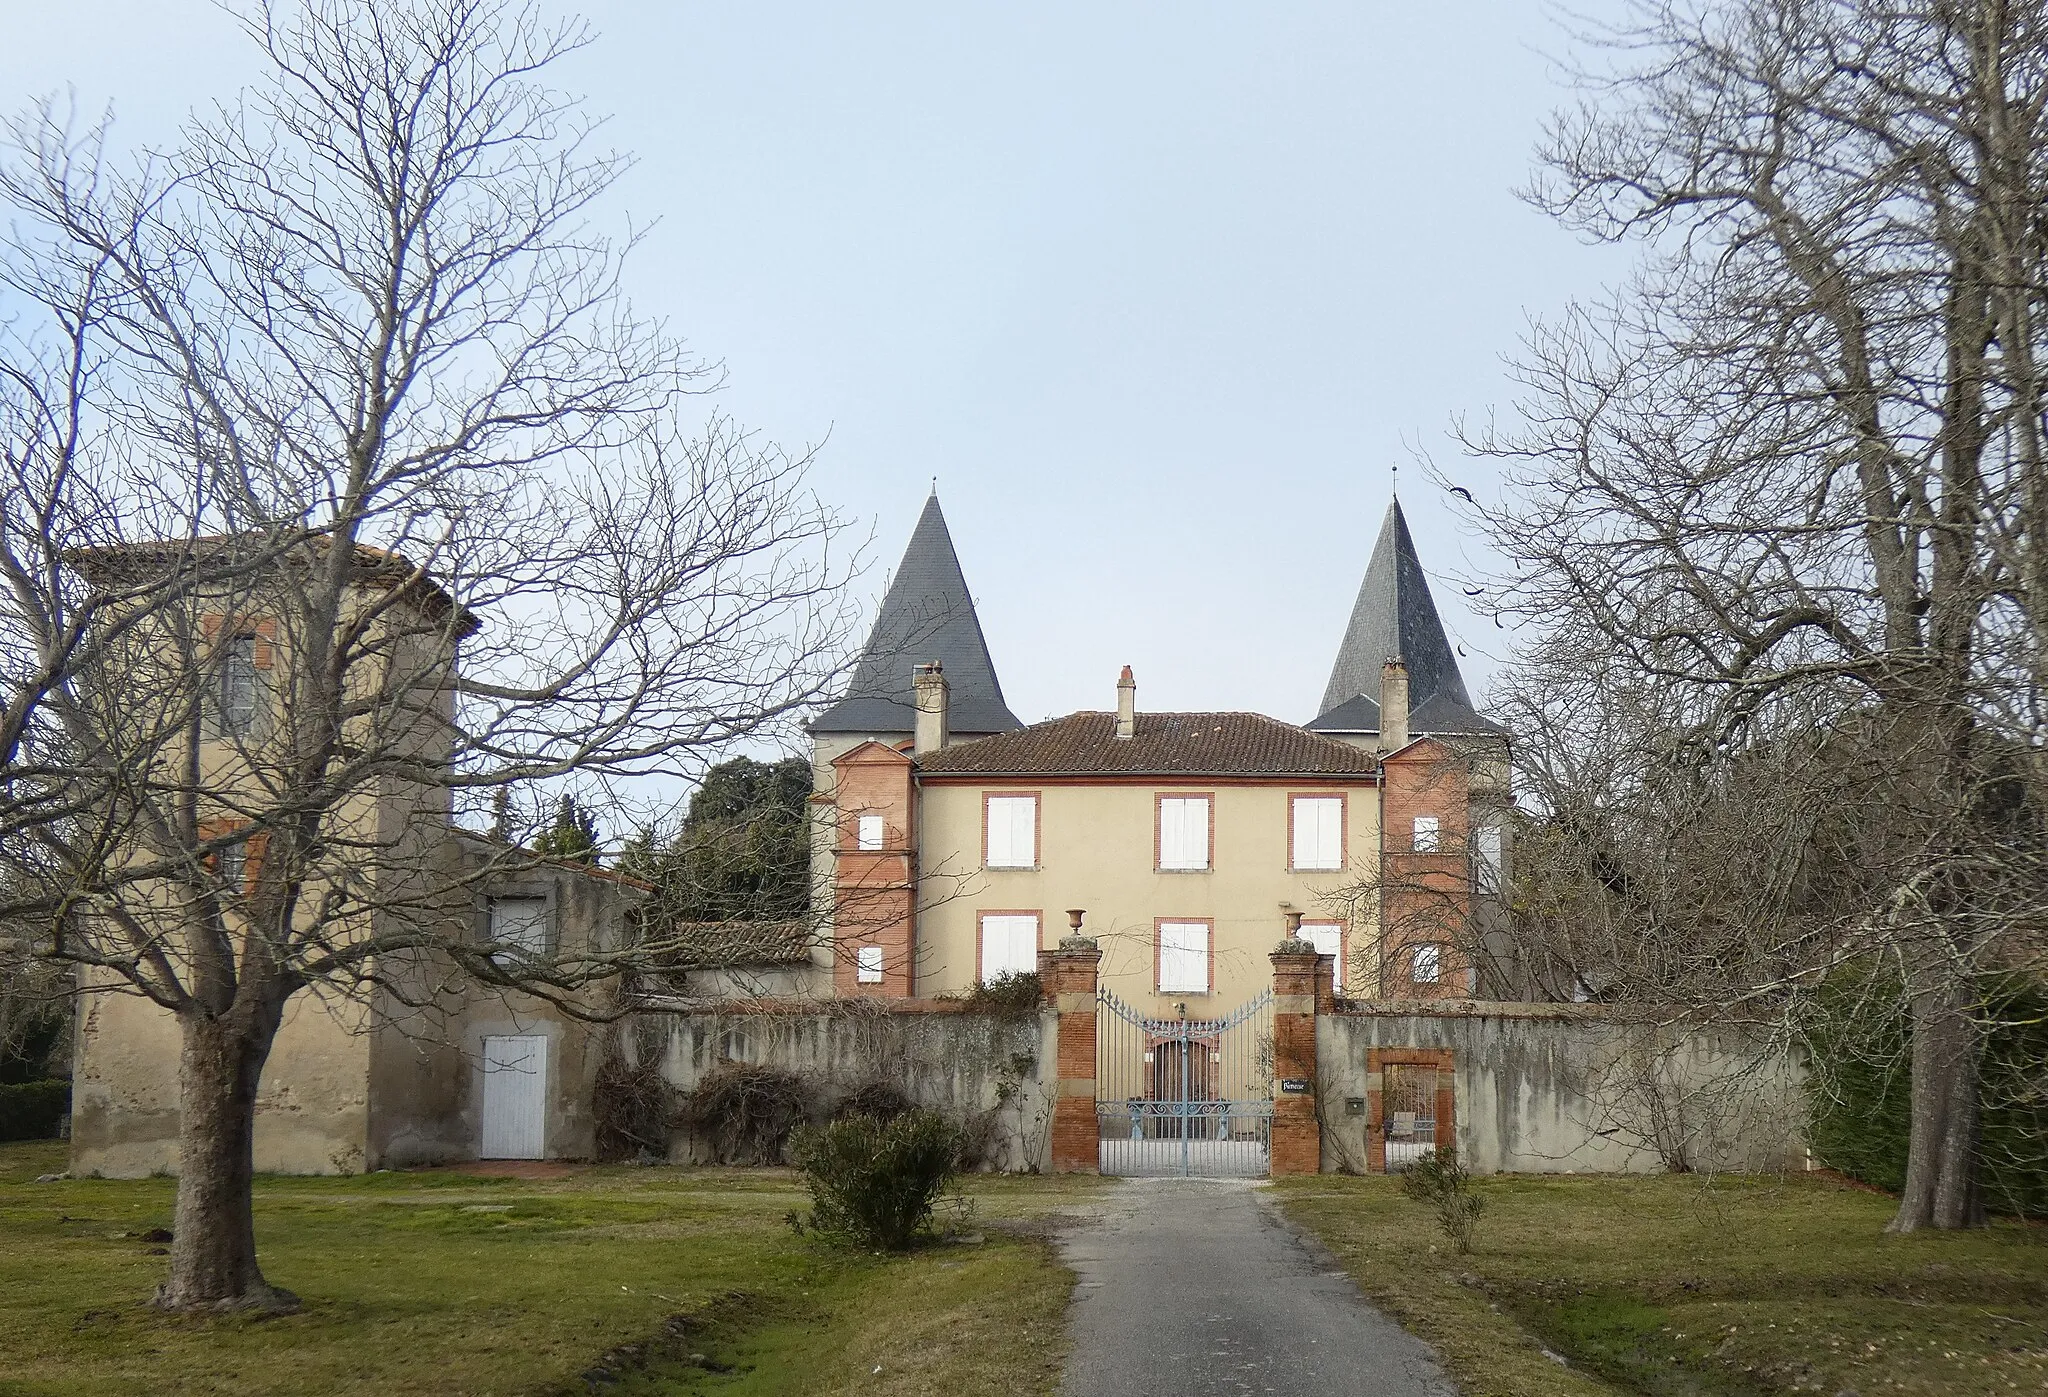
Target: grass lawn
{"points": [[445, 1283], [1679, 1286]]}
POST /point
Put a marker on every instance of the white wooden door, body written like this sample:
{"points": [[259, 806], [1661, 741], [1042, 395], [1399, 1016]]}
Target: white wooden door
{"points": [[515, 1098]]}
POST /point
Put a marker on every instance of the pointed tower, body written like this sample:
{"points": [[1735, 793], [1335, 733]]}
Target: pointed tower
{"points": [[1395, 618], [926, 618]]}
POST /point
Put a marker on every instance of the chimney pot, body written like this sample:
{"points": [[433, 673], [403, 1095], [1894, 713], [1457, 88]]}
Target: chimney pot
{"points": [[929, 689], [1393, 706], [1126, 706]]}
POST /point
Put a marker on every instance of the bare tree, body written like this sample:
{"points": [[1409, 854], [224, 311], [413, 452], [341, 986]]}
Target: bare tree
{"points": [[1793, 471], [342, 489]]}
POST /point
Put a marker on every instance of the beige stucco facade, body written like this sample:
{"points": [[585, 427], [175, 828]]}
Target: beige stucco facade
{"points": [[1098, 851]]}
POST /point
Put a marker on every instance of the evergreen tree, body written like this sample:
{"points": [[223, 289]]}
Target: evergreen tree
{"points": [[572, 837], [743, 852]]}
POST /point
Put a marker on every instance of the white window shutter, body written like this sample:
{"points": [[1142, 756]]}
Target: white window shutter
{"points": [[1328, 939], [1184, 833], [1012, 832], [1183, 958], [868, 964], [1425, 834], [1486, 868], [1009, 945], [872, 831], [520, 924], [1427, 966], [1318, 833]]}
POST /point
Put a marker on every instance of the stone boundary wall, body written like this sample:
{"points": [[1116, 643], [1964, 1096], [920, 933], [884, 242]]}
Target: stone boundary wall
{"points": [[1562, 1088], [992, 1071]]}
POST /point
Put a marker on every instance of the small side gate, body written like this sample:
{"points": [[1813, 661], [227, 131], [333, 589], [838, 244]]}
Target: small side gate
{"points": [[1184, 1097]]}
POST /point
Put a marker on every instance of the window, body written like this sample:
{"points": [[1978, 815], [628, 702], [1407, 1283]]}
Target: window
{"points": [[1183, 957], [1012, 832], [521, 925], [1328, 939], [1426, 965], [1425, 834], [871, 832], [1318, 833], [868, 965], [1183, 834], [1486, 867], [1009, 944], [238, 685], [231, 865]]}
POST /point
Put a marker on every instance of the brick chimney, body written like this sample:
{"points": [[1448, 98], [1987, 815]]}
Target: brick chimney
{"points": [[1393, 706], [1126, 706], [928, 685]]}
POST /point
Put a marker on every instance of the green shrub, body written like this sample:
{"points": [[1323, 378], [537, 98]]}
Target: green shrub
{"points": [[1440, 1181], [874, 1183], [1859, 1096], [33, 1110], [1860, 1093]]}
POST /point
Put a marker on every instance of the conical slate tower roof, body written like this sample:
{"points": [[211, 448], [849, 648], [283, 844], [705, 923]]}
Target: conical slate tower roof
{"points": [[928, 615], [1396, 616]]}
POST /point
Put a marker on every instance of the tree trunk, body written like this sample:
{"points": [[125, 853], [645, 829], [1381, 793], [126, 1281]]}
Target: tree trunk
{"points": [[1941, 1164], [213, 1241]]}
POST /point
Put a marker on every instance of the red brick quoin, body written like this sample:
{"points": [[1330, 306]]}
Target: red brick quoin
{"points": [[1068, 975], [1297, 1146]]}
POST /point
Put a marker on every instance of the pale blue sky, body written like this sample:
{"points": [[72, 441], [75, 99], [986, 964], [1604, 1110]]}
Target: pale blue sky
{"points": [[1158, 292]]}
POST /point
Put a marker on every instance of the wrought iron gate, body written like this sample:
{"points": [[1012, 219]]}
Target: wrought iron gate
{"points": [[1408, 1113], [1186, 1097]]}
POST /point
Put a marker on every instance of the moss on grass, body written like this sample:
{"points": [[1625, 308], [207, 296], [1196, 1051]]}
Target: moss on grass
{"points": [[1688, 1287], [446, 1283]]}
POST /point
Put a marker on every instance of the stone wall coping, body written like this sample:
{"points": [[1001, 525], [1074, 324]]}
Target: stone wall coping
{"points": [[1473, 1009], [831, 1008]]}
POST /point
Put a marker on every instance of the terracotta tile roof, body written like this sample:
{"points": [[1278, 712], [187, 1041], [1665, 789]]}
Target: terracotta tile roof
{"points": [[722, 945], [146, 559], [1166, 744]]}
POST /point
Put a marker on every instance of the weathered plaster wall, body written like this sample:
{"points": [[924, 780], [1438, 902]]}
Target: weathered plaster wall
{"points": [[997, 1069], [312, 1107], [1569, 1089], [588, 915], [349, 1086], [797, 980]]}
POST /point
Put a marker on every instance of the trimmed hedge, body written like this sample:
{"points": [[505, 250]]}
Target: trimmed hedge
{"points": [[33, 1110], [1861, 1106]]}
